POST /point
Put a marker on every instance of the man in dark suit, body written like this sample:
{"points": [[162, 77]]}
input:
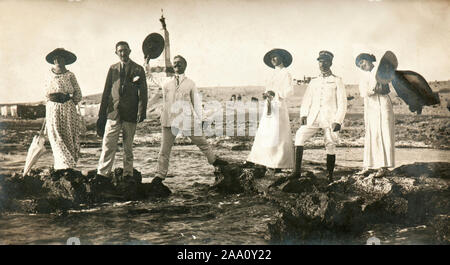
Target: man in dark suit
{"points": [[124, 103]]}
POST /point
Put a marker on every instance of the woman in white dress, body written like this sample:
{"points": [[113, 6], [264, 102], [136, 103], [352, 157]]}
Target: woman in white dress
{"points": [[273, 146], [379, 144], [63, 125]]}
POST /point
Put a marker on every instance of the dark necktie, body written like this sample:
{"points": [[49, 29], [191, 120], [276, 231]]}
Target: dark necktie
{"points": [[177, 78], [122, 79]]}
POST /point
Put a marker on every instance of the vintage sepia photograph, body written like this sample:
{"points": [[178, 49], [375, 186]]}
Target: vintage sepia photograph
{"points": [[215, 122]]}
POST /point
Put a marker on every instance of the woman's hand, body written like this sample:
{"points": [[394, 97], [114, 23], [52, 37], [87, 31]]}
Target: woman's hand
{"points": [[303, 120], [269, 95], [335, 127]]}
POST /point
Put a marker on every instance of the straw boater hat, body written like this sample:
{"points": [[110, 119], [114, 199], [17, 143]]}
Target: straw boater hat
{"points": [[68, 56], [153, 45], [285, 55]]}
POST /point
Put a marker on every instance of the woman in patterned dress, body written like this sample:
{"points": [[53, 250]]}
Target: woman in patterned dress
{"points": [[63, 125]]}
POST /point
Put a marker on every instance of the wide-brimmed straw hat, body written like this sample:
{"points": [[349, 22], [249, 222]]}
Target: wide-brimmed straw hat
{"points": [[69, 57], [153, 45], [285, 56], [386, 68]]}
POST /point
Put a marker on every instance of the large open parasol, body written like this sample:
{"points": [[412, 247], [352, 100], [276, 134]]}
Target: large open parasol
{"points": [[410, 86], [35, 150]]}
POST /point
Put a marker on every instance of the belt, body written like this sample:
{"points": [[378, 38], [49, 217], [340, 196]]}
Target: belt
{"points": [[59, 97]]}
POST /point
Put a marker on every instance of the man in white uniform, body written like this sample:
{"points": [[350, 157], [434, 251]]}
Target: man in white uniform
{"points": [[323, 107]]}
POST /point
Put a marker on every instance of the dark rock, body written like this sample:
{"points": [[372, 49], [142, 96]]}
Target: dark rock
{"points": [[314, 218], [317, 213], [54, 191], [441, 227], [241, 147], [430, 170], [232, 178], [299, 185]]}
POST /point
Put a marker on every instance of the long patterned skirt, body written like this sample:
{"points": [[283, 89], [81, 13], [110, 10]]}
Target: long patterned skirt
{"points": [[63, 129]]}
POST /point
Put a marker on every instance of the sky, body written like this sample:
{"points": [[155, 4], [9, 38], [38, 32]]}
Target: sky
{"points": [[223, 41]]}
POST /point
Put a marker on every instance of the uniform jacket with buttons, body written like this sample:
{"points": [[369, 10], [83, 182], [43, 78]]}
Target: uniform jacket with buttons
{"points": [[325, 95]]}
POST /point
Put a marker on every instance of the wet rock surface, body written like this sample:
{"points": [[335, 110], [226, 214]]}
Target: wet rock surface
{"points": [[49, 191], [314, 211]]}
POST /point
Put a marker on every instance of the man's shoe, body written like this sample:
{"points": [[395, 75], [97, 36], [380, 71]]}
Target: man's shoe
{"points": [[248, 164], [157, 180], [220, 162]]}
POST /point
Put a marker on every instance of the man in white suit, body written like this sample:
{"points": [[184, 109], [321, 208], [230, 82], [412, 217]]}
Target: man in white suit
{"points": [[323, 107], [181, 108]]}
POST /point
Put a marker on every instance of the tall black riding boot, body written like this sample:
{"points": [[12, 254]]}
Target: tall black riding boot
{"points": [[331, 160], [298, 162]]}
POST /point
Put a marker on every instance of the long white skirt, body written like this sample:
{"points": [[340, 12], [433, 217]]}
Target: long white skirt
{"points": [[273, 146], [379, 144]]}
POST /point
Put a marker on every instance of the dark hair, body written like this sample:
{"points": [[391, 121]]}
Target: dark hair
{"points": [[122, 43], [365, 56], [182, 58]]}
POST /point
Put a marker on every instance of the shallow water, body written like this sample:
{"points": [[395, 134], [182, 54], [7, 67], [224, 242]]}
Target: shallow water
{"points": [[192, 214]]}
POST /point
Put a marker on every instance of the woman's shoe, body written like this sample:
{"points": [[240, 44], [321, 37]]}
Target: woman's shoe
{"points": [[364, 172], [270, 172], [382, 172]]}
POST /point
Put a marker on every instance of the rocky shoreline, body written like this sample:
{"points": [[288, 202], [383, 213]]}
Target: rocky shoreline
{"points": [[310, 209], [49, 191], [314, 211]]}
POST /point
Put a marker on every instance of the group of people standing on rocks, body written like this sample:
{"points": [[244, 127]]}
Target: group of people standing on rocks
{"points": [[323, 107], [125, 99]]}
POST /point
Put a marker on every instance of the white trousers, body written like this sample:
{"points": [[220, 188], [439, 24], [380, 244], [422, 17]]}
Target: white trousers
{"points": [[305, 132], [169, 135], [109, 146]]}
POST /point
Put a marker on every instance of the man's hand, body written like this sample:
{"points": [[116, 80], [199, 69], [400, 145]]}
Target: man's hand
{"points": [[335, 127], [303, 120], [101, 122]]}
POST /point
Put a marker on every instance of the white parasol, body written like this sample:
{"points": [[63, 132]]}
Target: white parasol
{"points": [[35, 150]]}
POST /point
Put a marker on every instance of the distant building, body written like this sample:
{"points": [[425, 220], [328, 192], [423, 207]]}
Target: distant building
{"points": [[8, 110], [4, 111], [13, 110], [306, 80]]}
